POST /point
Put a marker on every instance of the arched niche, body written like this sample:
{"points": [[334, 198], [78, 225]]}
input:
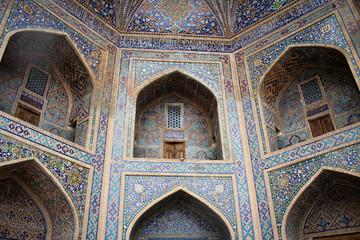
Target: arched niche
{"points": [[309, 91], [41, 193], [45, 83], [177, 117], [180, 215], [327, 207]]}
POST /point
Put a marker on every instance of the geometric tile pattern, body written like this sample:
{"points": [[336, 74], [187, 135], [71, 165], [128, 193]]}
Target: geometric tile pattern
{"points": [[287, 181], [265, 59], [20, 217], [142, 190], [174, 61], [225, 11], [8, 89], [72, 176], [57, 103], [188, 17], [207, 73], [26, 13], [178, 218], [337, 209], [152, 121]]}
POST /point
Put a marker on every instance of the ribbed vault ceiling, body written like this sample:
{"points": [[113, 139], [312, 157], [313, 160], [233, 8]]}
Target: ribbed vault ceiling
{"points": [[215, 18]]}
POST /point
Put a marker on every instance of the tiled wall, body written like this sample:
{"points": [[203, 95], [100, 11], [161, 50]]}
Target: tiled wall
{"points": [[152, 125], [224, 185]]}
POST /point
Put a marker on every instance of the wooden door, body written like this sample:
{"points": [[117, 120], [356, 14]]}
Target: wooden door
{"points": [[174, 150], [27, 115], [321, 125]]}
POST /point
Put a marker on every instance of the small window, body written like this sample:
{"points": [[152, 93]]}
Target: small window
{"points": [[37, 81], [311, 91], [321, 125], [28, 115], [174, 116]]}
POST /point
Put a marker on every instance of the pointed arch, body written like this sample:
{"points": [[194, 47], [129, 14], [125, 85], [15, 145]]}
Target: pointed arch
{"points": [[147, 210], [300, 206], [79, 54], [293, 46], [270, 95], [165, 73], [18, 163], [150, 130]]}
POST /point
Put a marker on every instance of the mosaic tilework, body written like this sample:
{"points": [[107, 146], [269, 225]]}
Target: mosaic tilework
{"points": [[348, 120], [253, 142], [178, 218], [175, 16], [118, 166], [206, 73], [259, 164], [3, 6], [52, 198], [152, 121], [21, 218], [58, 131], [72, 176], [209, 154], [26, 14], [31, 99], [57, 103], [337, 209], [290, 105], [147, 152], [242, 40], [104, 9], [80, 136], [251, 12], [98, 159], [8, 89], [292, 139], [216, 190], [286, 182], [341, 91]]}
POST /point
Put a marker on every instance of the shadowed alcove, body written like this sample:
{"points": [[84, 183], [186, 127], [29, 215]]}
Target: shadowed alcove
{"points": [[44, 82], [328, 207], [308, 92], [180, 215], [32, 205], [177, 117]]}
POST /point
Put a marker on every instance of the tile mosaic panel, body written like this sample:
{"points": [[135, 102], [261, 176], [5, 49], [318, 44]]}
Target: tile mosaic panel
{"points": [[57, 103], [21, 218], [104, 9], [242, 40], [188, 17], [53, 199], [27, 14], [72, 176], [4, 4], [349, 119], [195, 125], [9, 86], [118, 166], [337, 209], [142, 190], [207, 73], [257, 163], [70, 136], [286, 182], [178, 218]]}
